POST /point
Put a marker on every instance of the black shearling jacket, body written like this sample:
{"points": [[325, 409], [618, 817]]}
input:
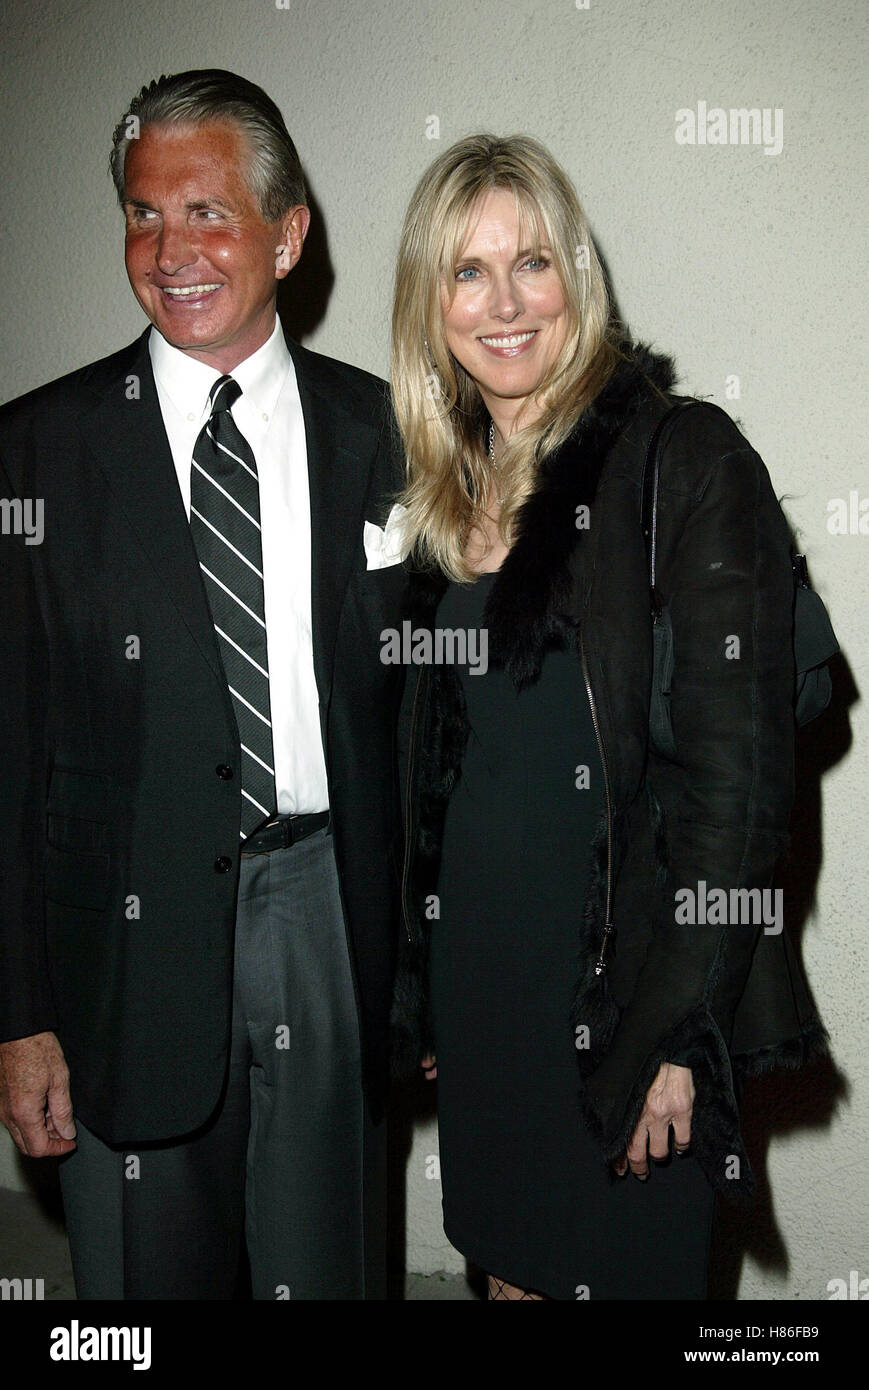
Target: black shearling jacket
{"points": [[725, 1000]]}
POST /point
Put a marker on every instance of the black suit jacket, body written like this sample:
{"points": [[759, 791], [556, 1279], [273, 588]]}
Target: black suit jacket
{"points": [[116, 926]]}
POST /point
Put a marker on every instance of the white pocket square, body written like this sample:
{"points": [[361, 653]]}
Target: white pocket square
{"points": [[385, 545]]}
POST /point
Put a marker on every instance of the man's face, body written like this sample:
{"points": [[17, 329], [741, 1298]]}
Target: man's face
{"points": [[202, 261]]}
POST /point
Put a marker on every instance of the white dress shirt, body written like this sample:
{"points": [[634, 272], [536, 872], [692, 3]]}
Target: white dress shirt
{"points": [[269, 415]]}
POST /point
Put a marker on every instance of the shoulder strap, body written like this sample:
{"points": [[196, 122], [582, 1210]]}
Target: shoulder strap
{"points": [[649, 501]]}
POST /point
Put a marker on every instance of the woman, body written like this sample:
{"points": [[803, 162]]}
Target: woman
{"points": [[550, 975]]}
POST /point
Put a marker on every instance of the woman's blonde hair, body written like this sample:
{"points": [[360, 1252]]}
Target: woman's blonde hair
{"points": [[438, 406]]}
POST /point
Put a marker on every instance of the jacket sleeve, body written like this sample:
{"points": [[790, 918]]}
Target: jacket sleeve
{"points": [[26, 1005], [730, 793]]}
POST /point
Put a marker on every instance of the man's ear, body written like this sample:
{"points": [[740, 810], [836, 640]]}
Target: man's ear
{"points": [[294, 229]]}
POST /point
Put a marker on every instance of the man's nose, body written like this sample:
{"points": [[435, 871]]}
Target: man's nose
{"points": [[174, 249]]}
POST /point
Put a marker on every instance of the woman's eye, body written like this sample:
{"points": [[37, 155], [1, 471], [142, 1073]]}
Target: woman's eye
{"points": [[537, 263], [467, 272]]}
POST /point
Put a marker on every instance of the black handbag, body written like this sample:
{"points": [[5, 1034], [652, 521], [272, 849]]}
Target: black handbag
{"points": [[814, 639]]}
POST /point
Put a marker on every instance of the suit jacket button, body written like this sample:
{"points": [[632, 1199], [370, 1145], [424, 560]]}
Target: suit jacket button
{"points": [[224, 771], [222, 865]]}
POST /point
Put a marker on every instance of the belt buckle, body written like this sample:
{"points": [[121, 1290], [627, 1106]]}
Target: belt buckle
{"points": [[287, 824], [287, 828], [269, 824]]}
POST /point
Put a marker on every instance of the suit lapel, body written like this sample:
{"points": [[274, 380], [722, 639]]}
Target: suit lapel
{"points": [[128, 439], [341, 450]]}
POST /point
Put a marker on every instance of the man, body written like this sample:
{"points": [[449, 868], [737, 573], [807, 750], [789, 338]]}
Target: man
{"points": [[199, 821]]}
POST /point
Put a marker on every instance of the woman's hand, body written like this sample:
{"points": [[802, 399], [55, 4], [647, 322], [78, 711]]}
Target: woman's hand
{"points": [[669, 1101], [428, 1065]]}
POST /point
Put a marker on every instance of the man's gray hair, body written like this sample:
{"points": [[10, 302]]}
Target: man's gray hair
{"points": [[274, 173]]}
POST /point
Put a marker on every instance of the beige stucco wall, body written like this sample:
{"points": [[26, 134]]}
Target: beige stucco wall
{"points": [[739, 262]]}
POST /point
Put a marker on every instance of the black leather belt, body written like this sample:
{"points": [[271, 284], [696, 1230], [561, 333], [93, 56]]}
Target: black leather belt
{"points": [[282, 831]]}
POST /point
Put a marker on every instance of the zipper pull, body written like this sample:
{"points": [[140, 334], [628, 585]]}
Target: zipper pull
{"points": [[600, 963]]}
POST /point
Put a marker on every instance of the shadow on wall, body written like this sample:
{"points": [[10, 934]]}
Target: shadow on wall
{"points": [[779, 1103], [303, 295]]}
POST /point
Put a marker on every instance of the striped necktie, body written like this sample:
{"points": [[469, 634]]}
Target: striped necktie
{"points": [[225, 525]]}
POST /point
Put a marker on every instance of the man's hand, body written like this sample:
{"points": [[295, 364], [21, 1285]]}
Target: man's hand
{"points": [[35, 1104], [669, 1101], [429, 1066]]}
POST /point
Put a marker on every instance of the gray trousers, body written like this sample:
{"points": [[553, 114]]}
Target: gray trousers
{"points": [[289, 1161]]}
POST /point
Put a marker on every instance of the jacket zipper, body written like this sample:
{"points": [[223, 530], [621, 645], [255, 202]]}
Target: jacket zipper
{"points": [[409, 829], [600, 963]]}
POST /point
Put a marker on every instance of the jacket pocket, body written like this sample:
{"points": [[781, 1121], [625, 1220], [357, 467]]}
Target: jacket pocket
{"points": [[75, 878]]}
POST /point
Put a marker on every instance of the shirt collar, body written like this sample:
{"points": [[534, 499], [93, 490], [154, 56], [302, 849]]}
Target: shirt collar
{"points": [[187, 381]]}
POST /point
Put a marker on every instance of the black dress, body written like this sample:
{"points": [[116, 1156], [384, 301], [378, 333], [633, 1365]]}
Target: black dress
{"points": [[525, 1193]]}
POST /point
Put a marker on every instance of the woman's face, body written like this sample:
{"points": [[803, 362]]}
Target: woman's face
{"points": [[508, 318]]}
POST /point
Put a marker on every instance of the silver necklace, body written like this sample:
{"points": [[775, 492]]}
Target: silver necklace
{"points": [[493, 462]]}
